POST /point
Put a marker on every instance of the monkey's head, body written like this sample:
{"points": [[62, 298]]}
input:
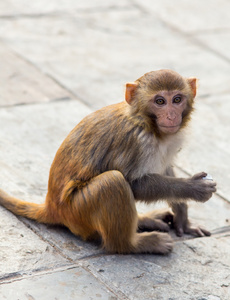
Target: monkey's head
{"points": [[164, 97]]}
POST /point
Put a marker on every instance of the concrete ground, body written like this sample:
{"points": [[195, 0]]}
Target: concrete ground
{"points": [[59, 61]]}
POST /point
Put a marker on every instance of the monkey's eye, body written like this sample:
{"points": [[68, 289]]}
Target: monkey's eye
{"points": [[177, 99], [160, 101]]}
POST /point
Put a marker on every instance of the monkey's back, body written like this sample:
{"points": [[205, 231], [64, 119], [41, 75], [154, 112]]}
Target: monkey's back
{"points": [[102, 141]]}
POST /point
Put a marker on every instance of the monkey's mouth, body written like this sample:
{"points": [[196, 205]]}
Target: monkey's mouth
{"points": [[174, 126], [169, 129]]}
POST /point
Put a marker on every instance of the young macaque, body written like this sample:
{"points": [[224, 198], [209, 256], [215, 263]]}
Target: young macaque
{"points": [[118, 155]]}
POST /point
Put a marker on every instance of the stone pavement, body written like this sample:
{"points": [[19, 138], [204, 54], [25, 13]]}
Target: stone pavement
{"points": [[60, 60]]}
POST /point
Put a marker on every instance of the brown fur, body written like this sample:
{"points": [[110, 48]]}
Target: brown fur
{"points": [[113, 157]]}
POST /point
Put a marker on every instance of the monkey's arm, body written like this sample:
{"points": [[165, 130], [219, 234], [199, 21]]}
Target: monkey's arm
{"points": [[153, 187], [175, 190]]}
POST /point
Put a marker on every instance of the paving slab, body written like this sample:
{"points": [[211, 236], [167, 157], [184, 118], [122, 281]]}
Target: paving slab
{"points": [[187, 273], [209, 15], [22, 83], [107, 50], [22, 250], [73, 283], [30, 9], [218, 41], [33, 133], [71, 246]]}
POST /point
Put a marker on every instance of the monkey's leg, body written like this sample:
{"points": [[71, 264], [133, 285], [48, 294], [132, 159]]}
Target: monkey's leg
{"points": [[107, 206], [160, 219]]}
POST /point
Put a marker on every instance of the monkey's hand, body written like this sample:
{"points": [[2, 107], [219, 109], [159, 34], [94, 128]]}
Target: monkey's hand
{"points": [[200, 189]]}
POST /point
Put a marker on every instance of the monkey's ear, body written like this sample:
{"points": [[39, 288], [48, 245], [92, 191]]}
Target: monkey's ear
{"points": [[192, 82], [130, 89]]}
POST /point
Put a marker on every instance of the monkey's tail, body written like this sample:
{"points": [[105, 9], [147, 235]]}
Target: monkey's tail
{"points": [[37, 212]]}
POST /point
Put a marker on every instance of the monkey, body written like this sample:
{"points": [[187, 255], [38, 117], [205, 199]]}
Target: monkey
{"points": [[118, 155]]}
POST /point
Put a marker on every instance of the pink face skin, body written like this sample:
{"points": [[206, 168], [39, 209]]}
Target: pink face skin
{"points": [[168, 107]]}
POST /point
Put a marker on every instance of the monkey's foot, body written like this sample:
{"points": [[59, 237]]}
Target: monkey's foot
{"points": [[186, 227], [153, 242], [157, 220]]}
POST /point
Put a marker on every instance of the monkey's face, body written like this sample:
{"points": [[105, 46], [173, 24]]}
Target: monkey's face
{"points": [[163, 98], [167, 107]]}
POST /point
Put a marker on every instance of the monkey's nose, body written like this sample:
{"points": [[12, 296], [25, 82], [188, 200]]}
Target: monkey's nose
{"points": [[171, 117]]}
